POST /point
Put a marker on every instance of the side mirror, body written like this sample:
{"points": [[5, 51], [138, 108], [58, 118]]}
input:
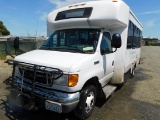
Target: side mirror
{"points": [[116, 40], [16, 43]]}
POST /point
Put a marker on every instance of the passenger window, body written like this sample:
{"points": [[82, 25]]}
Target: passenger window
{"points": [[134, 36], [106, 43]]}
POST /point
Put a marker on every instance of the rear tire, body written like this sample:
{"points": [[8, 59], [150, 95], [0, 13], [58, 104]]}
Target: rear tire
{"points": [[87, 102]]}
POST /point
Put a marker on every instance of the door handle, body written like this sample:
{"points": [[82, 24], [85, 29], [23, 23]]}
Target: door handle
{"points": [[96, 62]]}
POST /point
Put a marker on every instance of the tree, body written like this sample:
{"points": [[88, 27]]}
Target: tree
{"points": [[3, 29]]}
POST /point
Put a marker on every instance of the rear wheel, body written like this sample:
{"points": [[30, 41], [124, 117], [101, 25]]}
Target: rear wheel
{"points": [[87, 102]]}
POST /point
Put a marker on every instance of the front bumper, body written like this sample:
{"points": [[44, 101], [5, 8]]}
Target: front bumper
{"points": [[27, 92], [68, 101], [23, 93]]}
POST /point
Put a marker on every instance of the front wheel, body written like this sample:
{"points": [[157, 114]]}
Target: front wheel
{"points": [[87, 102]]}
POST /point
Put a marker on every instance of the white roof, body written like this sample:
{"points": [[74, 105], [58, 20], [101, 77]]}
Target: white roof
{"points": [[106, 14]]}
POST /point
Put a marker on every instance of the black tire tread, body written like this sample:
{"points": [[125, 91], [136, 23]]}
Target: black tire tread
{"points": [[79, 109]]}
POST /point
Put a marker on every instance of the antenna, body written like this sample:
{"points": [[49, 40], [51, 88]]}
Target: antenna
{"points": [[36, 34], [36, 30]]}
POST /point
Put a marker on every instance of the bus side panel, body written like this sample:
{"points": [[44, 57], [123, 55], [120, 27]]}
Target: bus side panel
{"points": [[118, 75], [132, 58], [133, 54]]}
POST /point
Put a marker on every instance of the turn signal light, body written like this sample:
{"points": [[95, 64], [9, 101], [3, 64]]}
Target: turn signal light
{"points": [[72, 80]]}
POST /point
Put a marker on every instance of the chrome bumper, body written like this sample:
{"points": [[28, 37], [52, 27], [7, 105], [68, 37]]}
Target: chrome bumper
{"points": [[68, 101], [28, 92]]}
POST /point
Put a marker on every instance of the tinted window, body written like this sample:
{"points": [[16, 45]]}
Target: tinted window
{"points": [[134, 36], [73, 40], [106, 43], [74, 13], [130, 35]]}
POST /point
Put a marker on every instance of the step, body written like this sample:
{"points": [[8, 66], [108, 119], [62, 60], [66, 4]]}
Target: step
{"points": [[108, 90]]}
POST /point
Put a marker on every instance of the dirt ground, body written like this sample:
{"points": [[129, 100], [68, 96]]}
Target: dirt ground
{"points": [[138, 99]]}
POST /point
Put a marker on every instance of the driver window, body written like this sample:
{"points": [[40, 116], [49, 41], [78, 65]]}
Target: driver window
{"points": [[106, 43]]}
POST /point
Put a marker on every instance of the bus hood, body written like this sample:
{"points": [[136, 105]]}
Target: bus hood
{"points": [[55, 59]]}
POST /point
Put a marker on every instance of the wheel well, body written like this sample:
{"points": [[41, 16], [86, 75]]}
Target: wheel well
{"points": [[94, 81]]}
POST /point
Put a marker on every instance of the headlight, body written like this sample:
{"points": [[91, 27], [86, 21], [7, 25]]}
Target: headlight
{"points": [[17, 72], [63, 80], [67, 80]]}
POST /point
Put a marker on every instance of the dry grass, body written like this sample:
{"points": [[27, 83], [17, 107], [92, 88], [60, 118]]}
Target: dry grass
{"points": [[2, 56]]}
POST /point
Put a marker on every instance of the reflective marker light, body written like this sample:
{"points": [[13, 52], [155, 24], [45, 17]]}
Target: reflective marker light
{"points": [[77, 5], [115, 0]]}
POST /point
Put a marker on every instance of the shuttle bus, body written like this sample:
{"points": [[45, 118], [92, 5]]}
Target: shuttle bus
{"points": [[90, 46]]}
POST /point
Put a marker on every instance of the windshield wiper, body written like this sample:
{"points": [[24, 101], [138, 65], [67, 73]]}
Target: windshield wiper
{"points": [[88, 52], [46, 47], [78, 50], [73, 49]]}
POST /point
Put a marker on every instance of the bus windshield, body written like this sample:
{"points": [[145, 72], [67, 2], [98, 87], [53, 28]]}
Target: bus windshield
{"points": [[73, 40]]}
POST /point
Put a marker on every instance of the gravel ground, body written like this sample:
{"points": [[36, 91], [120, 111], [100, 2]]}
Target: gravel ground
{"points": [[138, 99]]}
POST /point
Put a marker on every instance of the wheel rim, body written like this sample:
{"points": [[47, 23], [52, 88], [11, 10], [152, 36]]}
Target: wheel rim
{"points": [[89, 102]]}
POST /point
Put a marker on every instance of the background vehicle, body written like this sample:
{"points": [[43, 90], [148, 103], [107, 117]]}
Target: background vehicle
{"points": [[90, 47]]}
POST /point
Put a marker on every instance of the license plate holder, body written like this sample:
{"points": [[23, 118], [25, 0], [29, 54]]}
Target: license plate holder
{"points": [[53, 106]]}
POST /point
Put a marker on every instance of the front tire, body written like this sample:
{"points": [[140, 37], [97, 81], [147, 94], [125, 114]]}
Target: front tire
{"points": [[87, 102]]}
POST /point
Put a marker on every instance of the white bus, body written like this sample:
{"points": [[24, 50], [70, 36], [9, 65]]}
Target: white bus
{"points": [[90, 46]]}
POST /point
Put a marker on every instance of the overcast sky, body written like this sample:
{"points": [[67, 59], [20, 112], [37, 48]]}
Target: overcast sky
{"points": [[25, 17]]}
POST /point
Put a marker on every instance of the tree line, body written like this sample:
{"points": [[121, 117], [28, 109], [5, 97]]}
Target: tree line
{"points": [[3, 29]]}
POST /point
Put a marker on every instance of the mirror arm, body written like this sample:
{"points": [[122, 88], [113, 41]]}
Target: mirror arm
{"points": [[114, 51], [15, 51]]}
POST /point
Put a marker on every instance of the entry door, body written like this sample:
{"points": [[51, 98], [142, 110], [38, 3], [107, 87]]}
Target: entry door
{"points": [[107, 58]]}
